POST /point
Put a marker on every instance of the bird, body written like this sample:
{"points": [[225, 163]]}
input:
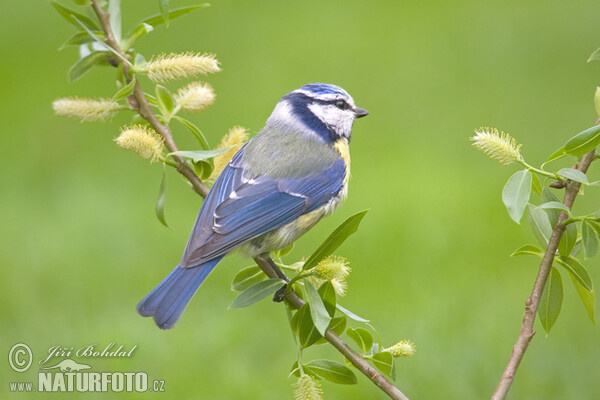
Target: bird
{"points": [[285, 179]]}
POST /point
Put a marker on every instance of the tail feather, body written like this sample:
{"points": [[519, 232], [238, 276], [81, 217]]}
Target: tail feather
{"points": [[169, 298]]}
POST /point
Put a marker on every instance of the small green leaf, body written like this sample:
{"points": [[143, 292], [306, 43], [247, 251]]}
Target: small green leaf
{"points": [[327, 293], [257, 292], [588, 297], [86, 63], [246, 278], [528, 249], [303, 325], [160, 199], [337, 325], [165, 100], [583, 142], [332, 371], [548, 196], [558, 154], [164, 9], [351, 314], [124, 91], [72, 17], [573, 174], [196, 131], [318, 313], [568, 240], [540, 224], [576, 269], [362, 337], [283, 252], [384, 362], [515, 194], [204, 168], [114, 11], [198, 155], [556, 205], [589, 236], [551, 300], [595, 55], [536, 186], [80, 38], [337, 237]]}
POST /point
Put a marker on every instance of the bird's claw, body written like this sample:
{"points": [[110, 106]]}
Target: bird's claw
{"points": [[280, 294]]}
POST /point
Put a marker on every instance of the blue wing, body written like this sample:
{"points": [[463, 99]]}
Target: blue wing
{"points": [[240, 207]]}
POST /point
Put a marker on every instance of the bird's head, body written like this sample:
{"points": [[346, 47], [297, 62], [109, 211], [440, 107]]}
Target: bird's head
{"points": [[323, 109]]}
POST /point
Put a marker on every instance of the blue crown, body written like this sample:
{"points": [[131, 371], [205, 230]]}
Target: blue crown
{"points": [[323, 89]]}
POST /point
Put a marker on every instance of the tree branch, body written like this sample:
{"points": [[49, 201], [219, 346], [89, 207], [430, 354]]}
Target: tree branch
{"points": [[140, 104], [533, 301]]}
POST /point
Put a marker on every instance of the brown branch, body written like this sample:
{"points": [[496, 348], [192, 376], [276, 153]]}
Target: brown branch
{"points": [[360, 363], [533, 301], [140, 104]]}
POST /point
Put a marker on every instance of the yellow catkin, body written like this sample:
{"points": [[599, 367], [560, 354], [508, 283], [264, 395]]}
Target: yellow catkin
{"points": [[141, 140], [85, 109], [181, 66], [196, 96], [307, 388], [236, 138], [498, 146]]}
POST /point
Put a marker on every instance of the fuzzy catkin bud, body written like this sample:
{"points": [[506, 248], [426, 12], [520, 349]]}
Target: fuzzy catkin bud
{"points": [[498, 146], [236, 137], [404, 348], [141, 140], [180, 66], [307, 388], [332, 267], [196, 96], [85, 109]]}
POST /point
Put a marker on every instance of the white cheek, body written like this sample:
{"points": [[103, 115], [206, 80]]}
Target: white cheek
{"points": [[340, 120]]}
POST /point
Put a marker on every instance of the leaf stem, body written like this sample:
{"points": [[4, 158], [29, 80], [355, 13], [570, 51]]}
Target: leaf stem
{"points": [[539, 171]]}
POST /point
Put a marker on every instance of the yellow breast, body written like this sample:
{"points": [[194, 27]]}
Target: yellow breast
{"points": [[343, 147]]}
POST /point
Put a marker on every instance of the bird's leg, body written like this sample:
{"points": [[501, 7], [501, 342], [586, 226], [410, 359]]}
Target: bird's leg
{"points": [[273, 270]]}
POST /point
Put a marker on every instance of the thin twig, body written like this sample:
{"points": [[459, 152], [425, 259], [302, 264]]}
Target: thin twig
{"points": [[533, 301], [360, 363], [140, 103], [143, 107]]}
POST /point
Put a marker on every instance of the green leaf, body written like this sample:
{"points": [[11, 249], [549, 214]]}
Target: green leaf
{"points": [[114, 11], [332, 371], [164, 9], [555, 205], [337, 325], [165, 100], [515, 194], [196, 131], [588, 297], [536, 186], [327, 293], [362, 337], [577, 270], [72, 17], [303, 325], [101, 42], [589, 236], [528, 249], [86, 63], [595, 55], [283, 252], [142, 28], [351, 314], [246, 278], [318, 313], [558, 154], [551, 300], [81, 38], [257, 292], [568, 240], [548, 196], [584, 142], [540, 224], [384, 362], [337, 237], [573, 174], [124, 91], [159, 207], [198, 155]]}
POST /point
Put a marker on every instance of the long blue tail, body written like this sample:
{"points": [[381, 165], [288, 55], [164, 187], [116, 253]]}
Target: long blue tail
{"points": [[169, 298]]}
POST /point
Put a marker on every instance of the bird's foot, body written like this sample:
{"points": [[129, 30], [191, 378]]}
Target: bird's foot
{"points": [[280, 294]]}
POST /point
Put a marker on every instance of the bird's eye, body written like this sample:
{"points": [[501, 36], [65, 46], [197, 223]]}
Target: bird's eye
{"points": [[341, 104]]}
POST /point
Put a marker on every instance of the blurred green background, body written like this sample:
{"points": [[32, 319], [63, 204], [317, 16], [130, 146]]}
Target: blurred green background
{"points": [[80, 244]]}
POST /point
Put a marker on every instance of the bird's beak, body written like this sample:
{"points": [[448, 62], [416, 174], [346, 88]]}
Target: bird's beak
{"points": [[359, 112]]}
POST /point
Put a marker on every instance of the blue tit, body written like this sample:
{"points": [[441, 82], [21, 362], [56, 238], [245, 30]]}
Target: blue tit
{"points": [[277, 187]]}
